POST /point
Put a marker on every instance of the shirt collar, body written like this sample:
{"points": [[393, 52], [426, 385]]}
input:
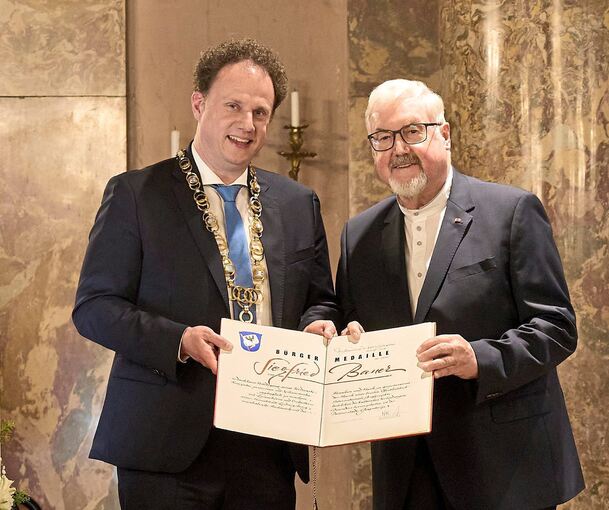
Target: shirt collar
{"points": [[209, 177], [437, 203]]}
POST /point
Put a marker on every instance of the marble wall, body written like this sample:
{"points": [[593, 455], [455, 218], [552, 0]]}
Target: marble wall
{"points": [[62, 135], [526, 86]]}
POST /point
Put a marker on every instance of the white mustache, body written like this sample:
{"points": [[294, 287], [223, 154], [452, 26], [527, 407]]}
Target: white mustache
{"points": [[404, 160]]}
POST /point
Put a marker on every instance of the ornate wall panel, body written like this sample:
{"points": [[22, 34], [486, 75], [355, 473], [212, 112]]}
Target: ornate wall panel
{"points": [[52, 380], [62, 135], [62, 47]]}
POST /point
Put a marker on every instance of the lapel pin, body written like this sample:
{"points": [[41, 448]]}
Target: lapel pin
{"points": [[458, 221]]}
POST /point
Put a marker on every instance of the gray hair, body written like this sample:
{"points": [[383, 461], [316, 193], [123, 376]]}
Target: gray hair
{"points": [[392, 90]]}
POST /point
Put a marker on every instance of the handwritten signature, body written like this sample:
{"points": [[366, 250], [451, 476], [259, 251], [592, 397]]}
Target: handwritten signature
{"points": [[281, 369], [356, 370], [390, 413]]}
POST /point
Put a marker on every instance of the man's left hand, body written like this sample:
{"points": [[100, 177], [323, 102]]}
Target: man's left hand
{"points": [[448, 355]]}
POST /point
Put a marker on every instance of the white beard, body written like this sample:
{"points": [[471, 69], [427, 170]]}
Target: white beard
{"points": [[410, 189]]}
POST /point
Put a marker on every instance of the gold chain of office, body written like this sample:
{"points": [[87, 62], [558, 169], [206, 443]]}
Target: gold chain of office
{"points": [[246, 297]]}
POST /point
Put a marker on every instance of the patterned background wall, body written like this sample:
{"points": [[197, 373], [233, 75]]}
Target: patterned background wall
{"points": [[62, 135]]}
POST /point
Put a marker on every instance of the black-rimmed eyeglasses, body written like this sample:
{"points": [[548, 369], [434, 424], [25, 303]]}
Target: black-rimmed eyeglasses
{"points": [[384, 139]]}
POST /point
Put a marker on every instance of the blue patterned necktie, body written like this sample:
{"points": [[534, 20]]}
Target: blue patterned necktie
{"points": [[237, 242]]}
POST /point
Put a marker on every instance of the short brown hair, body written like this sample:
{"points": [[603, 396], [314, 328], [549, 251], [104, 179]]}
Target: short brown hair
{"points": [[214, 59]]}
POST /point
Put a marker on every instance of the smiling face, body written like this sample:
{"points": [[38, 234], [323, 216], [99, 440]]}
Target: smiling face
{"points": [[232, 118], [416, 173]]}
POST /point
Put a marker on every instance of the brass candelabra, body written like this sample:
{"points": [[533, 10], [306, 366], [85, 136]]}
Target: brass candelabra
{"points": [[296, 155]]}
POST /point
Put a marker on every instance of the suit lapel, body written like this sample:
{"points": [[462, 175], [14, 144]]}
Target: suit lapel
{"points": [[392, 246], [273, 241], [203, 238], [454, 226]]}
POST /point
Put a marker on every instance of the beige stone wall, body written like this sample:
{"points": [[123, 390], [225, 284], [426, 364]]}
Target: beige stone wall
{"points": [[62, 135]]}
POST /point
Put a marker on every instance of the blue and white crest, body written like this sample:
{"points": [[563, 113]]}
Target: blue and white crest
{"points": [[250, 341]]}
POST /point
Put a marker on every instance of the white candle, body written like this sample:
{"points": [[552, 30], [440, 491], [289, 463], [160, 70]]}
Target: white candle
{"points": [[295, 109], [175, 142]]}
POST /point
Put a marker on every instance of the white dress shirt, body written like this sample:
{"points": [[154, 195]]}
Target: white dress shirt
{"points": [[422, 227]]}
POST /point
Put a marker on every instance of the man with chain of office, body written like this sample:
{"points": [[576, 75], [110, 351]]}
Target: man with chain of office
{"points": [[175, 248]]}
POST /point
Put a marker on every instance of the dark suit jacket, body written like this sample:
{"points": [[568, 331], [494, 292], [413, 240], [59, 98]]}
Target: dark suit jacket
{"points": [[504, 440], [151, 269]]}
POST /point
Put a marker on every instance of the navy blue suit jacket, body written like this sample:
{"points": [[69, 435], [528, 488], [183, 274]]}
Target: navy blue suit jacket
{"points": [[503, 441], [151, 269]]}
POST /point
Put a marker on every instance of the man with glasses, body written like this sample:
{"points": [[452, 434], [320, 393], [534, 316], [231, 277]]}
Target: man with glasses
{"points": [[479, 260]]}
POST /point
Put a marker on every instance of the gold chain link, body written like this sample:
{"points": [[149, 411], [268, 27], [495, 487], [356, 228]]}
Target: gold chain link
{"points": [[246, 297]]}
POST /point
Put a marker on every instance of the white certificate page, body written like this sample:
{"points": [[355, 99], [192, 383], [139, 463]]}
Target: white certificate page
{"points": [[271, 383], [374, 389]]}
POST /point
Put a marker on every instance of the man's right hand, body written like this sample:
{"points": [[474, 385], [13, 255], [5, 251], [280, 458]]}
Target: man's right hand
{"points": [[203, 345]]}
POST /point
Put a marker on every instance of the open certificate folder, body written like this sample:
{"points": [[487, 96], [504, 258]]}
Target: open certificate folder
{"points": [[288, 385]]}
